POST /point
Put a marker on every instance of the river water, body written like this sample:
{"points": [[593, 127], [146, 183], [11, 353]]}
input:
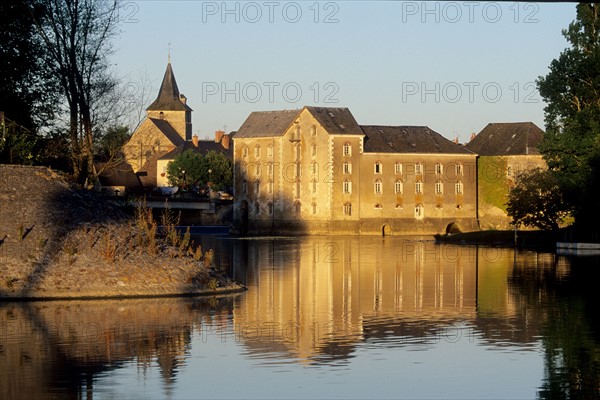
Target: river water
{"points": [[325, 317]]}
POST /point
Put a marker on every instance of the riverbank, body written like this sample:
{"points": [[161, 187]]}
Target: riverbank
{"points": [[529, 239], [58, 241]]}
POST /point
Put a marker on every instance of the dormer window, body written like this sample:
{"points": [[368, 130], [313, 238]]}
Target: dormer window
{"points": [[161, 115]]}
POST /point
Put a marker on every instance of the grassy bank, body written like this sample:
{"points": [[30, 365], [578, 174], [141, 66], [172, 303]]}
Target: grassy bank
{"points": [[59, 241]]}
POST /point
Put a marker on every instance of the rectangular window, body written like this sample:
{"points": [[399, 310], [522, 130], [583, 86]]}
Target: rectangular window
{"points": [[347, 167], [418, 187], [398, 168], [418, 169], [347, 209], [459, 187], [439, 169], [378, 186], [398, 187], [347, 187], [459, 169], [378, 167]]}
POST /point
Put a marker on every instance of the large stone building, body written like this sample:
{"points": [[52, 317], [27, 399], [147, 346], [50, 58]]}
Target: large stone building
{"points": [[504, 149], [316, 170]]}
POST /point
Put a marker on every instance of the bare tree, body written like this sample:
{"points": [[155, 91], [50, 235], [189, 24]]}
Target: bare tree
{"points": [[77, 34]]}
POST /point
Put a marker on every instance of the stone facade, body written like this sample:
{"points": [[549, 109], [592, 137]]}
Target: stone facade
{"points": [[317, 171], [505, 150]]}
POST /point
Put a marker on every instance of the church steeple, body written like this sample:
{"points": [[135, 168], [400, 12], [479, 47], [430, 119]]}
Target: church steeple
{"points": [[169, 98]]}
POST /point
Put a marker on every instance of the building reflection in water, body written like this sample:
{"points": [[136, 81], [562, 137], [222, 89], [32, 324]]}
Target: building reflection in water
{"points": [[317, 301], [317, 298]]}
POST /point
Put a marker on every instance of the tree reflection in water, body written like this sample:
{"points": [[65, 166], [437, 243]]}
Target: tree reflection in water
{"points": [[562, 294]]}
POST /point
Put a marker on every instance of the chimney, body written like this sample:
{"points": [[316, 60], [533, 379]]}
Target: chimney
{"points": [[456, 140], [183, 98], [219, 136], [225, 141], [472, 136], [195, 140]]}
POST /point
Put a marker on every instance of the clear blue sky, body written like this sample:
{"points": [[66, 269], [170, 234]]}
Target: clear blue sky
{"points": [[453, 66]]}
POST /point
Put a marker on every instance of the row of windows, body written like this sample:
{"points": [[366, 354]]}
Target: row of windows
{"points": [[346, 209], [347, 187], [419, 210], [346, 168], [398, 168], [399, 187], [297, 208], [347, 165], [297, 151]]}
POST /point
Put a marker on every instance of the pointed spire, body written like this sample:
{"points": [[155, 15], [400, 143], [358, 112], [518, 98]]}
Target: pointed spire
{"points": [[168, 96]]}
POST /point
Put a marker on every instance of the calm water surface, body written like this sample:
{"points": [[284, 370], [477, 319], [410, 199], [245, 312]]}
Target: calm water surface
{"points": [[326, 317]]}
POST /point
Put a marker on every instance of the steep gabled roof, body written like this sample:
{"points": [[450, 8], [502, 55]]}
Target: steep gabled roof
{"points": [[336, 120], [507, 138], [408, 139], [266, 123], [168, 95], [168, 131]]}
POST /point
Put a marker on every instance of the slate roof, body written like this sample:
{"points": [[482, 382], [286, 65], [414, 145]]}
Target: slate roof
{"points": [[266, 123], [507, 138], [335, 120], [168, 131], [168, 95], [407, 139], [204, 146]]}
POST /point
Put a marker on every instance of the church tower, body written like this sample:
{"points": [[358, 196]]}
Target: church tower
{"points": [[170, 105]]}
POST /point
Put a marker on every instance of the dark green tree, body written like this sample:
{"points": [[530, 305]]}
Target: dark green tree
{"points": [[186, 170], [18, 145], [191, 169], [26, 86], [571, 89], [536, 200], [27, 89], [220, 175]]}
